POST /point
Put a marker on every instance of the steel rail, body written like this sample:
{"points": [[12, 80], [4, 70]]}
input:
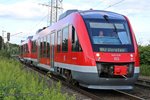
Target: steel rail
{"points": [[143, 83], [130, 96]]}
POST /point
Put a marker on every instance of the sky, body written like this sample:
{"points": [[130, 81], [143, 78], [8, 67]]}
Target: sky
{"points": [[25, 17]]}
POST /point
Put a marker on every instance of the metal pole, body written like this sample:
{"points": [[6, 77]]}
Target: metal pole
{"points": [[56, 9], [3, 38], [51, 12], [3, 33]]}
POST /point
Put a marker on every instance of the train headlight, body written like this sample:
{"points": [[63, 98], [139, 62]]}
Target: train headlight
{"points": [[97, 55], [131, 55]]}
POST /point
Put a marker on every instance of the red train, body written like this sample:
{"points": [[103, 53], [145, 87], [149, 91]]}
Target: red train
{"points": [[95, 48]]}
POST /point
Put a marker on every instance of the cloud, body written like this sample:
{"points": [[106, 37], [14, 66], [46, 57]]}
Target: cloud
{"points": [[80, 4], [22, 10], [131, 7]]}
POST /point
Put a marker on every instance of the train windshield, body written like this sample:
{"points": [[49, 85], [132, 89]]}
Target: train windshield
{"points": [[112, 36]]}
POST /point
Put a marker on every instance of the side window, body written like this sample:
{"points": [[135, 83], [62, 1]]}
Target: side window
{"points": [[65, 39], [48, 46], [24, 48], [27, 51], [76, 47], [21, 49], [41, 47], [53, 39], [58, 41], [44, 51], [33, 46]]}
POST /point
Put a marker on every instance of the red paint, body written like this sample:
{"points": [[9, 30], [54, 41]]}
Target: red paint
{"points": [[137, 60], [115, 57], [120, 70]]}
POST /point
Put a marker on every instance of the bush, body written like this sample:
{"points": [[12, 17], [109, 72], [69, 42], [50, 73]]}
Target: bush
{"points": [[19, 84], [144, 54], [145, 70], [5, 53]]}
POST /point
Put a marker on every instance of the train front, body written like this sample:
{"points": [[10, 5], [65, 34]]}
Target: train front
{"points": [[115, 50]]}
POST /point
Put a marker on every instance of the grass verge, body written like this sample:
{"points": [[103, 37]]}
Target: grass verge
{"points": [[145, 70], [18, 84]]}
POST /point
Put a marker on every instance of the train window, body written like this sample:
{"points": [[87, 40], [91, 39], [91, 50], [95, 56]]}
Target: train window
{"points": [[75, 42], [48, 46], [26, 48], [44, 47], [110, 33], [41, 47], [21, 49], [33, 46], [52, 39], [58, 41], [65, 39]]}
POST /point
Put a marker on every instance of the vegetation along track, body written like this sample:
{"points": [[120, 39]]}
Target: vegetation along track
{"points": [[93, 94]]}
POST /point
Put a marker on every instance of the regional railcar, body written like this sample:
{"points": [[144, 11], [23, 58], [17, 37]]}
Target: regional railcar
{"points": [[25, 50], [95, 48]]}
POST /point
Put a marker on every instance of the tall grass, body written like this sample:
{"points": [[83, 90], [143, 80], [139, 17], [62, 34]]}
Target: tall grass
{"points": [[145, 70], [5, 53], [18, 84]]}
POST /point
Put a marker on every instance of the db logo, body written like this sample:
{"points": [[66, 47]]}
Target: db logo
{"points": [[116, 58]]}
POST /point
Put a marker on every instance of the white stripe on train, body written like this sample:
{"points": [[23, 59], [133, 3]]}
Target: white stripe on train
{"points": [[79, 68]]}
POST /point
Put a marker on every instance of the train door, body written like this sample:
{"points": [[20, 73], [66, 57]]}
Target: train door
{"points": [[52, 50], [48, 50]]}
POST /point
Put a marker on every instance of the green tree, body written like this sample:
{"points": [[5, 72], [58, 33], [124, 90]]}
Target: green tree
{"points": [[1, 42], [145, 54]]}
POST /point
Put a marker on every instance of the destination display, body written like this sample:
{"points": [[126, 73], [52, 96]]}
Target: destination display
{"points": [[113, 49]]}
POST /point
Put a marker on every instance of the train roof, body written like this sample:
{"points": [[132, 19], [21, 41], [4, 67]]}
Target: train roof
{"points": [[68, 12], [95, 14], [27, 40], [99, 14]]}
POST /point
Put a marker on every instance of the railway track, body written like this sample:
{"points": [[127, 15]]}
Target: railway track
{"points": [[93, 94], [130, 96], [143, 83]]}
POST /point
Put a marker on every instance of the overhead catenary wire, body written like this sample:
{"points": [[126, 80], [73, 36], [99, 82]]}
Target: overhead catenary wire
{"points": [[47, 15], [39, 22], [114, 4], [31, 28]]}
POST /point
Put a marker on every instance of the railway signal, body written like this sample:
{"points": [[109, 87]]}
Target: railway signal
{"points": [[1, 42], [8, 36]]}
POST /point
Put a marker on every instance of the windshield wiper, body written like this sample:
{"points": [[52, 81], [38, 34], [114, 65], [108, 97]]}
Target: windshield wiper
{"points": [[107, 19]]}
